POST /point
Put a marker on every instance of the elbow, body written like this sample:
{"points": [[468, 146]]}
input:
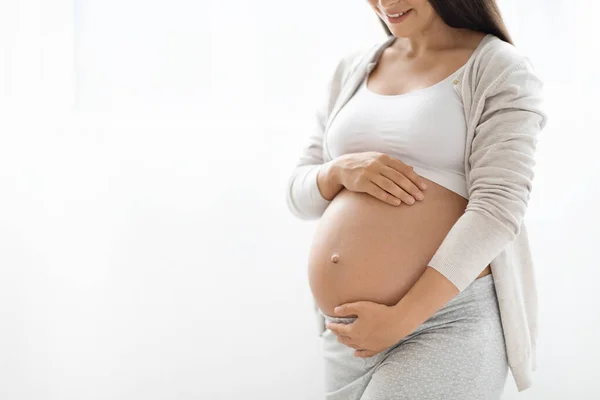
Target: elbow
{"points": [[508, 220], [503, 201]]}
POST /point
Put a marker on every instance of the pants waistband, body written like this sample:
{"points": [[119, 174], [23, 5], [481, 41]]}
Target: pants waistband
{"points": [[478, 285]]}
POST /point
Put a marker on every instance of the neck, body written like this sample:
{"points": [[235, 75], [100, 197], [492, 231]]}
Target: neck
{"points": [[436, 36]]}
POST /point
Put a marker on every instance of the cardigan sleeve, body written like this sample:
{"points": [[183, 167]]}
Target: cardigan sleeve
{"points": [[303, 197], [501, 164]]}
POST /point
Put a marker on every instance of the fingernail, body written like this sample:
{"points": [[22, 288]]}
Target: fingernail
{"points": [[420, 196], [411, 201], [423, 185]]}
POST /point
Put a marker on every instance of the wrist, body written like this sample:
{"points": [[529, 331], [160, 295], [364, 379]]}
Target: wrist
{"points": [[406, 320], [328, 179], [427, 296], [335, 172]]}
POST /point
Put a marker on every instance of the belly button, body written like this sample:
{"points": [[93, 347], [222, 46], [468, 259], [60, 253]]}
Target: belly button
{"points": [[335, 258]]}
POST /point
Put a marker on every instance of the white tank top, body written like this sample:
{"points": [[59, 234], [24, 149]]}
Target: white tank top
{"points": [[425, 128]]}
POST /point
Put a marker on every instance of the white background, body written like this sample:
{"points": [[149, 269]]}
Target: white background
{"points": [[146, 251]]}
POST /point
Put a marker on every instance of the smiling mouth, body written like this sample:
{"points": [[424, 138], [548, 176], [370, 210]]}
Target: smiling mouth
{"points": [[397, 15], [395, 18]]}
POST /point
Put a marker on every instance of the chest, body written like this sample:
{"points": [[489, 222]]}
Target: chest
{"points": [[425, 127], [395, 75]]}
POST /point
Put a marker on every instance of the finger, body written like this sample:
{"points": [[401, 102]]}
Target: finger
{"points": [[340, 329], [349, 309], [408, 171], [402, 181], [392, 188], [381, 194]]}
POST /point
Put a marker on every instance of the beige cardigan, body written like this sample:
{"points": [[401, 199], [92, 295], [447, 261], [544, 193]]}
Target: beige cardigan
{"points": [[502, 101]]}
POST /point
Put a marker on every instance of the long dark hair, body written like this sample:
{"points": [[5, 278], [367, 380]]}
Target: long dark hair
{"points": [[477, 15]]}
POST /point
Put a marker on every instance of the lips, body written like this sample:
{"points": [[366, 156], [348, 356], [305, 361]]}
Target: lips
{"points": [[397, 19], [395, 14]]}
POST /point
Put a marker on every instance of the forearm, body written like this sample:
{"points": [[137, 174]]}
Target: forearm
{"points": [[429, 294], [311, 187]]}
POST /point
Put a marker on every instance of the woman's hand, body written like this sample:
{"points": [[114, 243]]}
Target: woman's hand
{"points": [[377, 327], [380, 175]]}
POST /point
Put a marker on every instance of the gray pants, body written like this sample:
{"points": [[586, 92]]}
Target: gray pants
{"points": [[457, 354]]}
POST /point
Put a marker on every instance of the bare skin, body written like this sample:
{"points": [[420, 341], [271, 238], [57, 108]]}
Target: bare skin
{"points": [[365, 248]]}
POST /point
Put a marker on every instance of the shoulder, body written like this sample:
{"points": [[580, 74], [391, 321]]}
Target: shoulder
{"points": [[507, 80], [498, 62]]}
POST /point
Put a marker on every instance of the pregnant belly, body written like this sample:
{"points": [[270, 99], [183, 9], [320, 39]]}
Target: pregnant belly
{"points": [[365, 249]]}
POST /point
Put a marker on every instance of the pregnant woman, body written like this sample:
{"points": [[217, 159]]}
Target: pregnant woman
{"points": [[420, 170]]}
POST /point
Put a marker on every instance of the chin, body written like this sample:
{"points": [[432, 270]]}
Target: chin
{"points": [[400, 33]]}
